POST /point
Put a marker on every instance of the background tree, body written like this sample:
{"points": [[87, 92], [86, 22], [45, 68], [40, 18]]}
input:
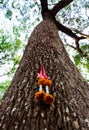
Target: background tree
{"points": [[19, 109]]}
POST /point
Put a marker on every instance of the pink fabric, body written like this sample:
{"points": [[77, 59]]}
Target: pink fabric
{"points": [[42, 73]]}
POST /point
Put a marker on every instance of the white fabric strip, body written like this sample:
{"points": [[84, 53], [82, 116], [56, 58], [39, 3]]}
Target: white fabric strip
{"points": [[40, 87], [47, 89]]}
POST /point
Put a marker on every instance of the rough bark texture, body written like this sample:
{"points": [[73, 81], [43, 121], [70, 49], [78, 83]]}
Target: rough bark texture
{"points": [[70, 110]]}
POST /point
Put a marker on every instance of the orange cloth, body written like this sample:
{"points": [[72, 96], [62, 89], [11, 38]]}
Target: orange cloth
{"points": [[48, 99], [44, 82], [39, 95]]}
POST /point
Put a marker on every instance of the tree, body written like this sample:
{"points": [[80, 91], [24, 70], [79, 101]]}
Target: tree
{"points": [[70, 109]]}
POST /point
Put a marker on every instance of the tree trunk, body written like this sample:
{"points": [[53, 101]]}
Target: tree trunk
{"points": [[19, 109]]}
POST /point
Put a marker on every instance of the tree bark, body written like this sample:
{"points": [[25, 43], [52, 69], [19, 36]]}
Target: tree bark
{"points": [[19, 109]]}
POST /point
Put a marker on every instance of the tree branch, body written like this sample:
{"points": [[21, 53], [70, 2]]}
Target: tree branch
{"points": [[61, 4], [66, 30], [82, 34], [44, 6], [79, 50], [71, 46], [69, 32]]}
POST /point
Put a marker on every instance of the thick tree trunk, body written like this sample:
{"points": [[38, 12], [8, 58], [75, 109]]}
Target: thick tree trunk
{"points": [[70, 110]]}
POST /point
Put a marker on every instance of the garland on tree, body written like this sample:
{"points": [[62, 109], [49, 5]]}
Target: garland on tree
{"points": [[44, 83]]}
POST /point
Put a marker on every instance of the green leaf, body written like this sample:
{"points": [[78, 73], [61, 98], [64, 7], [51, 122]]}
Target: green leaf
{"points": [[1, 1], [17, 45], [16, 59], [87, 66], [18, 42], [3, 88], [85, 48], [8, 14], [77, 59]]}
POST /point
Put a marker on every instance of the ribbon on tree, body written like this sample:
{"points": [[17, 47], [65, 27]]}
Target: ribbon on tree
{"points": [[44, 83]]}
